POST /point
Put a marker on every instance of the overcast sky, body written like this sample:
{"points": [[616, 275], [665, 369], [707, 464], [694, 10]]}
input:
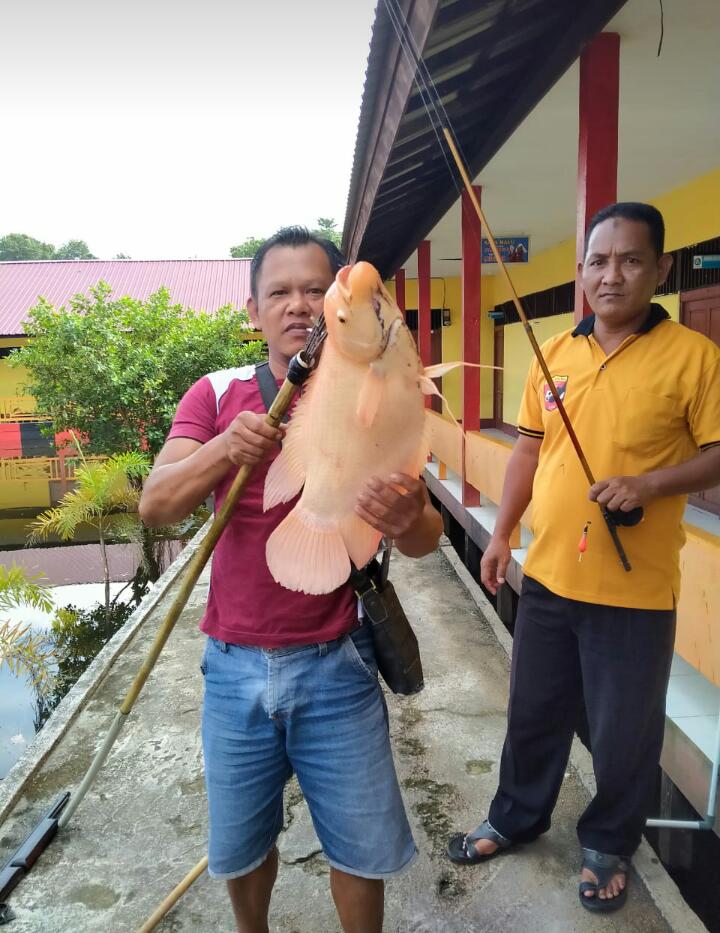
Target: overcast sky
{"points": [[175, 129]]}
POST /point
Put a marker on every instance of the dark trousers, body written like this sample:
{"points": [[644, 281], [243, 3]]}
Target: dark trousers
{"points": [[618, 662]]}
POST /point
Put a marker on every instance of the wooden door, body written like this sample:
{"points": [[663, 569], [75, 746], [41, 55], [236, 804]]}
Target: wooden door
{"points": [[498, 359], [700, 311], [436, 357]]}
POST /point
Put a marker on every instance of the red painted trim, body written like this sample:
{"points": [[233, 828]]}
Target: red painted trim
{"points": [[470, 285], [400, 290], [424, 337], [597, 140]]}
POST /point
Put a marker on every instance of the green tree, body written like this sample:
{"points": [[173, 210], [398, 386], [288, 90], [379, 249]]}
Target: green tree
{"points": [[248, 248], [115, 369], [24, 651], [20, 246], [74, 249], [121, 256], [326, 227], [103, 489]]}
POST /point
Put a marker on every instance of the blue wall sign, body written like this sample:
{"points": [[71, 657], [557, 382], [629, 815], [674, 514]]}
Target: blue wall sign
{"points": [[511, 249]]}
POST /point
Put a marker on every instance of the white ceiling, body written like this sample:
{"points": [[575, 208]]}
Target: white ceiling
{"points": [[669, 132]]}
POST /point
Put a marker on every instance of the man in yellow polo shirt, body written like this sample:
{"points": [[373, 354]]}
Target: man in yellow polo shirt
{"points": [[643, 394]]}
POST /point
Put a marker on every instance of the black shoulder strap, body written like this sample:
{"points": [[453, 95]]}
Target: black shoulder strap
{"points": [[267, 385]]}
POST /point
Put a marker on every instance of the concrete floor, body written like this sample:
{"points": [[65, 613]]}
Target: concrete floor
{"points": [[143, 825]]}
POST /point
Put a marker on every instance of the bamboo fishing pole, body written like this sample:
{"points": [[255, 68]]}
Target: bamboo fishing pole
{"points": [[610, 521], [300, 368], [441, 126]]}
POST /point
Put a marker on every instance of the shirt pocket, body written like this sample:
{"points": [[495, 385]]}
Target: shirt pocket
{"points": [[646, 423]]}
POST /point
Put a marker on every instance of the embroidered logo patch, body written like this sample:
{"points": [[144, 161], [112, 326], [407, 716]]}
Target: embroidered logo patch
{"points": [[561, 386]]}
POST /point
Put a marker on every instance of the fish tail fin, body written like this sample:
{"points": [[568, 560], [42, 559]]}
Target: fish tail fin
{"points": [[307, 553]]}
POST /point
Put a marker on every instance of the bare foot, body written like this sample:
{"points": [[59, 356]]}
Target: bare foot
{"points": [[614, 887]]}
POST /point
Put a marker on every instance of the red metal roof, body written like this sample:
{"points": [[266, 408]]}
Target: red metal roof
{"points": [[200, 284]]}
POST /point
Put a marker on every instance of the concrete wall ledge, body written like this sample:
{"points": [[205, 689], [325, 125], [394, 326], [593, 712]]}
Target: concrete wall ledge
{"points": [[18, 777]]}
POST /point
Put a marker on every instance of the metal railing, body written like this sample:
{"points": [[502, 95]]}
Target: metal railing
{"points": [[15, 408], [40, 469]]}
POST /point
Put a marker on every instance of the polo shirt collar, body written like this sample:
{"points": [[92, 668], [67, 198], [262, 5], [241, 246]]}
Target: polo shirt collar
{"points": [[657, 314]]}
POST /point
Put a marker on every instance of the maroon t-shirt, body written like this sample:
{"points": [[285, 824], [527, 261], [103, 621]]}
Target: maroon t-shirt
{"points": [[245, 604]]}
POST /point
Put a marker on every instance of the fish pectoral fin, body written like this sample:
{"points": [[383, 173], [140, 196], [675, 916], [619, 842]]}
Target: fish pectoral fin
{"points": [[284, 480], [307, 553], [439, 369], [361, 540], [370, 396], [428, 387]]}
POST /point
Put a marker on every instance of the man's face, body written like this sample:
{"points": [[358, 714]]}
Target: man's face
{"points": [[291, 288], [621, 270]]}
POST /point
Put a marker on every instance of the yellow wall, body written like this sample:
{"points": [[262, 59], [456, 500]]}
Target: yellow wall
{"points": [[32, 494], [548, 268], [691, 215], [518, 354], [692, 211], [11, 380]]}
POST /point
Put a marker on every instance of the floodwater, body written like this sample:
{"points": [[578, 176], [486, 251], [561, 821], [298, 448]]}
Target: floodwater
{"points": [[17, 697]]}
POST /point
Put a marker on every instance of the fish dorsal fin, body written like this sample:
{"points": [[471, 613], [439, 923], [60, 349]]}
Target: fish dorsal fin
{"points": [[370, 396]]}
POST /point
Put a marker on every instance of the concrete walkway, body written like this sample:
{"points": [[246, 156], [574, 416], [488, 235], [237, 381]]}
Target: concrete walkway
{"points": [[143, 826]]}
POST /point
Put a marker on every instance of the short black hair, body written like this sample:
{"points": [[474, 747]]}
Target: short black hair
{"points": [[293, 236], [633, 210]]}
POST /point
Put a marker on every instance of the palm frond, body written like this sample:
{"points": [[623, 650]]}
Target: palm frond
{"points": [[19, 588], [27, 653]]}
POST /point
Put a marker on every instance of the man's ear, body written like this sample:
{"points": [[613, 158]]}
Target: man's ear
{"points": [[664, 265], [580, 267], [252, 310]]}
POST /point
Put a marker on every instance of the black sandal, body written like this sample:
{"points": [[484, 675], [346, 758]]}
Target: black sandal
{"points": [[461, 850], [603, 867]]}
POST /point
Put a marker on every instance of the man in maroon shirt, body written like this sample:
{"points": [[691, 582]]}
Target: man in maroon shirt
{"points": [[290, 679]]}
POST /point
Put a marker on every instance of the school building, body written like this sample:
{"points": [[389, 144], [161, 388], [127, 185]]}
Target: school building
{"points": [[36, 469], [559, 108]]}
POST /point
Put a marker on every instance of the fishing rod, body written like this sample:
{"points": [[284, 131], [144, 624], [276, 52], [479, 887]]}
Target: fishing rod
{"points": [[442, 127], [299, 369]]}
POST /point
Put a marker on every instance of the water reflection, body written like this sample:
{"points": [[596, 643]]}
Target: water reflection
{"points": [[20, 714]]}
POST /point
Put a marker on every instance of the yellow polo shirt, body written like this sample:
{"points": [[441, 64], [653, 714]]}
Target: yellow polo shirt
{"points": [[654, 402]]}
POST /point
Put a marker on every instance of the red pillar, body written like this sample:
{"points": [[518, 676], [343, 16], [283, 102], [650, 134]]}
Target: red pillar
{"points": [[471, 269], [598, 139], [424, 344], [400, 290]]}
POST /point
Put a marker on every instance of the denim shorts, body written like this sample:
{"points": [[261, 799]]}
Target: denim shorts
{"points": [[315, 710]]}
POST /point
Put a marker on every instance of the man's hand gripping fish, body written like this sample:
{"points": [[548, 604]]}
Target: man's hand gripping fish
{"points": [[362, 414]]}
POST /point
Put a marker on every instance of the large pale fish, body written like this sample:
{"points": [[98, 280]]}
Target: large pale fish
{"points": [[362, 414]]}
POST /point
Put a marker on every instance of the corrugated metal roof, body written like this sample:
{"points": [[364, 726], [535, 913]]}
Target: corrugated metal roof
{"points": [[490, 63], [200, 284]]}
